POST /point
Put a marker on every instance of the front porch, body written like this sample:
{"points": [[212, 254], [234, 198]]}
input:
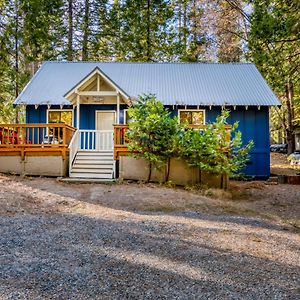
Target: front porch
{"points": [[60, 150]]}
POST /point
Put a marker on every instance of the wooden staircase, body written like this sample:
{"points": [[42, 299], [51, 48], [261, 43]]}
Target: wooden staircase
{"points": [[93, 164]]}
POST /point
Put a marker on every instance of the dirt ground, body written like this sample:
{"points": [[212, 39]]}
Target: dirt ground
{"points": [[146, 241], [277, 202], [281, 166]]}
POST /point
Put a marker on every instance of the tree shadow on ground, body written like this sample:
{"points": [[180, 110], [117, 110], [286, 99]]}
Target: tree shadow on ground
{"points": [[111, 196], [65, 256]]}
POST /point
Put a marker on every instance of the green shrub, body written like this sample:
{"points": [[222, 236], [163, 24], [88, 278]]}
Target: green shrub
{"points": [[156, 137], [152, 132], [216, 149]]}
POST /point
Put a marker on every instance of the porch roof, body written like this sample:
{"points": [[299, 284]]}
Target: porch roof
{"points": [[173, 83]]}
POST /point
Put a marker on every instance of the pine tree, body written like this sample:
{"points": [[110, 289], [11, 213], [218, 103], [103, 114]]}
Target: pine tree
{"points": [[274, 43], [229, 44], [144, 26], [70, 31]]}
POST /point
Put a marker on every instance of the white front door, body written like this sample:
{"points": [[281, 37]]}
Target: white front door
{"points": [[104, 129], [105, 120]]}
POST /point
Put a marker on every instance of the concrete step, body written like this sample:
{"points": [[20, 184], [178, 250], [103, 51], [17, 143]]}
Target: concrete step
{"points": [[87, 180], [92, 175]]}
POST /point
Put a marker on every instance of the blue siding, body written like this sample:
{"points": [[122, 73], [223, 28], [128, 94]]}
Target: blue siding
{"points": [[36, 115], [253, 123], [88, 114]]}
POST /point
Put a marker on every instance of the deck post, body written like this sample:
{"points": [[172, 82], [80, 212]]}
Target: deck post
{"points": [[78, 112], [118, 108]]}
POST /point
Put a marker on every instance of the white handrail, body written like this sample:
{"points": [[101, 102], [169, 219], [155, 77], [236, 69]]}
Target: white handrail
{"points": [[74, 147]]}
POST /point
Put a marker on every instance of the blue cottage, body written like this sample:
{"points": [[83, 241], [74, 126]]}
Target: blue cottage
{"points": [[93, 96]]}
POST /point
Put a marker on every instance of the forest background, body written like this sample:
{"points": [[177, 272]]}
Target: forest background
{"points": [[265, 32]]}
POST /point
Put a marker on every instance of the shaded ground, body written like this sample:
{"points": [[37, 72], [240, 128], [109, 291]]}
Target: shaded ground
{"points": [[281, 166], [96, 241]]}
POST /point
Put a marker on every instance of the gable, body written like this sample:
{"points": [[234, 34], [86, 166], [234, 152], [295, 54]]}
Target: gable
{"points": [[96, 87]]}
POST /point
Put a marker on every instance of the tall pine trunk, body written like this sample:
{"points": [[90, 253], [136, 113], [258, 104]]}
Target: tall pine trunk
{"points": [[185, 26], [290, 136], [70, 31], [148, 43], [86, 22], [17, 118]]}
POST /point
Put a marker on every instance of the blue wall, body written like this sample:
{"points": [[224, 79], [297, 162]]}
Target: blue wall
{"points": [[88, 114], [253, 123]]}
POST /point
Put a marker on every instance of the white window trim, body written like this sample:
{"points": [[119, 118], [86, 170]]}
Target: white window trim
{"points": [[197, 110], [59, 109], [124, 116]]}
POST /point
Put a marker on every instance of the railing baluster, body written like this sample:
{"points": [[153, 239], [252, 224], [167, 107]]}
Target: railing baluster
{"points": [[23, 135], [34, 137], [38, 135], [93, 140], [58, 135], [84, 137]]}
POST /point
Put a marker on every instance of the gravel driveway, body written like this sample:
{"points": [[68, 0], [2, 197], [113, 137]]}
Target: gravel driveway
{"points": [[54, 244]]}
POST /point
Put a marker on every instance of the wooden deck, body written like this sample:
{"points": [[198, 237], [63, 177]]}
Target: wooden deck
{"points": [[52, 139], [120, 140], [35, 139]]}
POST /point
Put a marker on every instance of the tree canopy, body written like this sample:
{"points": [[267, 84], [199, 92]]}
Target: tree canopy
{"points": [[266, 32]]}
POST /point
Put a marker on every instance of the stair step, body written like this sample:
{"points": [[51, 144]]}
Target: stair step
{"points": [[93, 162], [92, 175], [92, 166], [92, 170], [95, 156], [94, 153]]}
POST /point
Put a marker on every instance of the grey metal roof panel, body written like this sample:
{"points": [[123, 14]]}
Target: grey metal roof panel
{"points": [[173, 83]]}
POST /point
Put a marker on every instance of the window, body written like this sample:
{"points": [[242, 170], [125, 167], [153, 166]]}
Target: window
{"points": [[61, 116], [192, 116]]}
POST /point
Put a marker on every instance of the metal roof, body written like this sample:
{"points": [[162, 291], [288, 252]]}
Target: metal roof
{"points": [[172, 83]]}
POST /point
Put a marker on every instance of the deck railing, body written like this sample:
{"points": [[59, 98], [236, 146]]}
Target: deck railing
{"points": [[25, 138], [120, 140], [96, 140]]}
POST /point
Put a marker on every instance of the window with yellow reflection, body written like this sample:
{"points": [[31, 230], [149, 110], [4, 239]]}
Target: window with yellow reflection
{"points": [[192, 117], [61, 116]]}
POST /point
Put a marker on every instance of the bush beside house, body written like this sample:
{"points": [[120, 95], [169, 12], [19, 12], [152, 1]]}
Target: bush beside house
{"points": [[155, 137]]}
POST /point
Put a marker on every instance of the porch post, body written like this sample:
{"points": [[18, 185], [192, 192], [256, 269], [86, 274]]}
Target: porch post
{"points": [[118, 108], [78, 112]]}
